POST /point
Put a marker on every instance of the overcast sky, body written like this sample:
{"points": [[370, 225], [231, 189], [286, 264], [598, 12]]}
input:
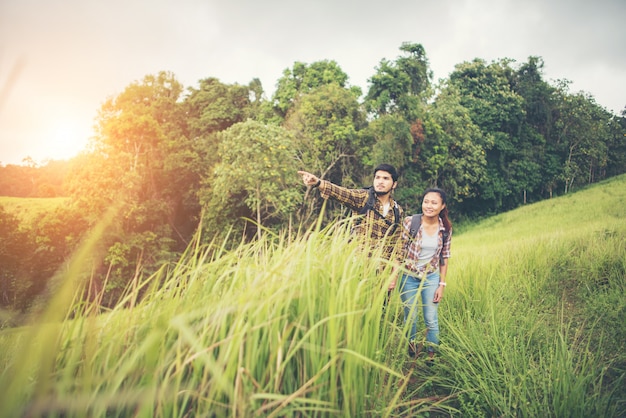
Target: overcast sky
{"points": [[59, 60]]}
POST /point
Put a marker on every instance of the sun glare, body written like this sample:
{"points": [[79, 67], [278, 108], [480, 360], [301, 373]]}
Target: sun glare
{"points": [[66, 139]]}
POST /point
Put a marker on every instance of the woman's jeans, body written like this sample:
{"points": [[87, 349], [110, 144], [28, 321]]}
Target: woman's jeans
{"points": [[410, 286]]}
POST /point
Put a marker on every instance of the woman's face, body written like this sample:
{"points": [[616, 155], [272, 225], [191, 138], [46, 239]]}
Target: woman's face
{"points": [[432, 204]]}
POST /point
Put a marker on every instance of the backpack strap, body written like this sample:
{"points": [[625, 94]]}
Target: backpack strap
{"points": [[396, 215], [416, 222], [369, 205]]}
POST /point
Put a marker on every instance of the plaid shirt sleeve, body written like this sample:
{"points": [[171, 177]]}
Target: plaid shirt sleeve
{"points": [[377, 231], [445, 251], [355, 199]]}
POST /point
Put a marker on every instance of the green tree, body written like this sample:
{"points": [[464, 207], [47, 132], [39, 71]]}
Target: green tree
{"points": [[210, 109], [392, 141], [616, 163], [402, 86], [326, 124], [140, 164], [54, 236], [14, 247], [215, 106], [304, 78], [493, 106], [539, 166], [454, 150], [258, 169], [581, 135]]}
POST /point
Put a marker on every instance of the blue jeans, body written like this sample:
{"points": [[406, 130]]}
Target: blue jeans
{"points": [[409, 288]]}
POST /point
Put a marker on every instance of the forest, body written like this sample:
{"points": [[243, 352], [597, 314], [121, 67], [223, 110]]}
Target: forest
{"points": [[168, 161]]}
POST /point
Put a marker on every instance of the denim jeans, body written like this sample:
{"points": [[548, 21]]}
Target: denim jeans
{"points": [[410, 286]]}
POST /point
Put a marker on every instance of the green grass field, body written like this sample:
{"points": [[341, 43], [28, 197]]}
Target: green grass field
{"points": [[533, 323], [26, 208]]}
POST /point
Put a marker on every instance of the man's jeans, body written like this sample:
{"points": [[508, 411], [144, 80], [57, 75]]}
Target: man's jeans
{"points": [[410, 286]]}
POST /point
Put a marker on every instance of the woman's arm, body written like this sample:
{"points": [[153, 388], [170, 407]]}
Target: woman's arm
{"points": [[443, 270]]}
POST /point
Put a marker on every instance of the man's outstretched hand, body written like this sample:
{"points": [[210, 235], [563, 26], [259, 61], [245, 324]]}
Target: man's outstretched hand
{"points": [[308, 178]]}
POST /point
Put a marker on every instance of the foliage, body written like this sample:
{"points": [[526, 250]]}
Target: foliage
{"points": [[142, 163], [215, 106], [286, 327], [400, 86], [32, 180], [452, 153], [495, 136], [391, 139], [304, 78], [257, 169], [13, 246], [326, 124]]}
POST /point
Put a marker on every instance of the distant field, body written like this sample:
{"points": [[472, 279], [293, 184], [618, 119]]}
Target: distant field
{"points": [[25, 208]]}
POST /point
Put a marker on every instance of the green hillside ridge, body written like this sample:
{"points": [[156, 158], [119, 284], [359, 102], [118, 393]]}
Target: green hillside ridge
{"points": [[533, 323]]}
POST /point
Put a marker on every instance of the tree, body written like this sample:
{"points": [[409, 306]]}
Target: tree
{"points": [[392, 141], [304, 78], [401, 86], [493, 106], [140, 162], [581, 135], [616, 163], [215, 106], [258, 168], [539, 167], [455, 148], [14, 246], [325, 123]]}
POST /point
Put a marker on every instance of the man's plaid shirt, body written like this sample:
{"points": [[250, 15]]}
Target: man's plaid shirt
{"points": [[372, 228]]}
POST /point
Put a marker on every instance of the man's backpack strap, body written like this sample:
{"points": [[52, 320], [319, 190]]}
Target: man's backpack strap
{"points": [[369, 205]]}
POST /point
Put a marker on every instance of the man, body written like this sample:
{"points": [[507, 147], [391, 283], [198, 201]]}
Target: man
{"points": [[380, 224]]}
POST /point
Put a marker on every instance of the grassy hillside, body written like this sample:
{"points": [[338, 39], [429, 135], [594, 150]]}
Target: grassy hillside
{"points": [[533, 324], [26, 208]]}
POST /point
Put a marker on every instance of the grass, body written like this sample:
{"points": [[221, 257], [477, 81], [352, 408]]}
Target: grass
{"points": [[27, 208], [533, 324]]}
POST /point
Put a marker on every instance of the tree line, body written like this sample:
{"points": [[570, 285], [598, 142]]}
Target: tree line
{"points": [[223, 157]]}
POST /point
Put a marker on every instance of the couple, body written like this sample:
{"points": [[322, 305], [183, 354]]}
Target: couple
{"points": [[423, 252]]}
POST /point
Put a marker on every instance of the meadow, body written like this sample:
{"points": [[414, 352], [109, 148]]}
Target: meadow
{"points": [[27, 208], [533, 323]]}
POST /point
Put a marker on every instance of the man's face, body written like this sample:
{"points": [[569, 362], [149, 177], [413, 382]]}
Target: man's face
{"points": [[383, 182]]}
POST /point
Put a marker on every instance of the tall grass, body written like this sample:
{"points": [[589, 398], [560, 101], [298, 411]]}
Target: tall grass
{"points": [[532, 325], [535, 321]]}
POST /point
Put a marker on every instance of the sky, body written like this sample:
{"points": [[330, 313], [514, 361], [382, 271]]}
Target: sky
{"points": [[61, 59]]}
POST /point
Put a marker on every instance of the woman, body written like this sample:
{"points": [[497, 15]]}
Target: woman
{"points": [[427, 249]]}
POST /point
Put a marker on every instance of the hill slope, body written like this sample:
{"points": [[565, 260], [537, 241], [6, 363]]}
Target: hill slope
{"points": [[532, 324]]}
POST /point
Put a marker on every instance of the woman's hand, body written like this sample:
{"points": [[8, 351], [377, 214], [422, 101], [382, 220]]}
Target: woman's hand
{"points": [[438, 294]]}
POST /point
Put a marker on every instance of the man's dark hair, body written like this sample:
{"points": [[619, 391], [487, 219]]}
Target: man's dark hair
{"points": [[389, 169]]}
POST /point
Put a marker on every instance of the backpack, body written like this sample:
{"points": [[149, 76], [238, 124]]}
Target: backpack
{"points": [[369, 205], [416, 222]]}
